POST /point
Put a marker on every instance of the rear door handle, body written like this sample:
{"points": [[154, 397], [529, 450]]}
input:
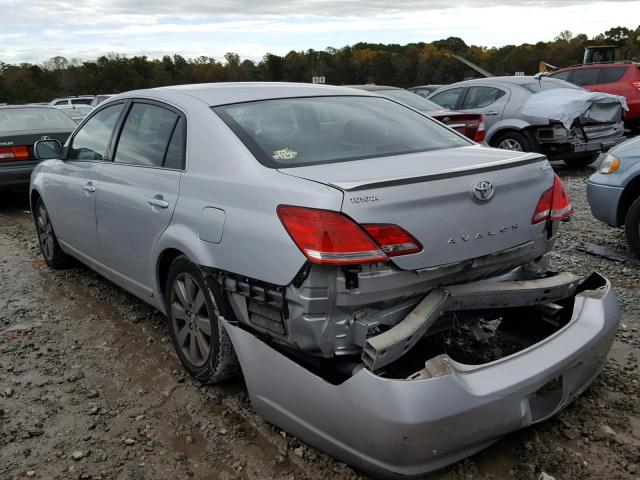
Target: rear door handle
{"points": [[89, 187], [491, 113], [158, 201]]}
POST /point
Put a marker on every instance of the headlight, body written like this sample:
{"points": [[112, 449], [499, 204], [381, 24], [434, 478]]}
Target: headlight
{"points": [[610, 163]]}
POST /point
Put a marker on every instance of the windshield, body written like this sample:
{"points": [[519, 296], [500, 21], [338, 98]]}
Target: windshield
{"points": [[547, 84], [294, 132], [44, 119], [408, 98]]}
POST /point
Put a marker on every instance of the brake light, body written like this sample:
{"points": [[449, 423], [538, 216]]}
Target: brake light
{"points": [[554, 204], [636, 84], [393, 239], [10, 154], [324, 236], [480, 132]]}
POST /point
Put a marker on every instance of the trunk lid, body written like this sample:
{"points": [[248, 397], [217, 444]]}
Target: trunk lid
{"points": [[431, 196]]}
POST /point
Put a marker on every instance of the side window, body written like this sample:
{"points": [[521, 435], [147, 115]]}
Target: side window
{"points": [[586, 76], [613, 74], [423, 92], [92, 140], [479, 97], [175, 152], [145, 135], [81, 101], [562, 75], [61, 102], [448, 98]]}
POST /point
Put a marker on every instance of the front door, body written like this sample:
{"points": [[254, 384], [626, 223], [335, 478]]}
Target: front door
{"points": [[138, 192], [73, 182]]}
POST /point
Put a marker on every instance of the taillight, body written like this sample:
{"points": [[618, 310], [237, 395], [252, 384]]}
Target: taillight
{"points": [[393, 239], [480, 132], [554, 204], [10, 154], [330, 237], [636, 84], [324, 236]]}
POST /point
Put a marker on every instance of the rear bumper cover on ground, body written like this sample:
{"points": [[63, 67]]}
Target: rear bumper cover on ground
{"points": [[392, 428]]}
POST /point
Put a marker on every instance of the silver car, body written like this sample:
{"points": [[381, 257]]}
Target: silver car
{"points": [[503, 100], [614, 191], [347, 250]]}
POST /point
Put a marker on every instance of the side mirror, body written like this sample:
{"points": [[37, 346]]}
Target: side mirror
{"points": [[47, 149]]}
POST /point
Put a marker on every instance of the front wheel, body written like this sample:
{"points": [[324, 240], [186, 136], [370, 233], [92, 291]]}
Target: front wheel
{"points": [[201, 342], [512, 141], [632, 227], [51, 251]]}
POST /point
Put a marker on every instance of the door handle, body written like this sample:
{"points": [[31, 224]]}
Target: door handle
{"points": [[491, 113], [89, 187], [158, 201]]}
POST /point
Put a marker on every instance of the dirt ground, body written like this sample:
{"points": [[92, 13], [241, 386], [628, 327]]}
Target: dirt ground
{"points": [[90, 387]]}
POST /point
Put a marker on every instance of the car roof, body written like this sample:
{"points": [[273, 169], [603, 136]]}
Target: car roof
{"points": [[47, 107], [372, 87], [597, 65], [225, 93]]}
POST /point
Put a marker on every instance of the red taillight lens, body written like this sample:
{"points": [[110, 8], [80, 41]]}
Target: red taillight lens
{"points": [[480, 133], [393, 239], [11, 154], [554, 204], [636, 84], [324, 236]]}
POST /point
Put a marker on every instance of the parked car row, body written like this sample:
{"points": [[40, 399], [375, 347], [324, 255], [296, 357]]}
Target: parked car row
{"points": [[78, 107], [384, 230]]}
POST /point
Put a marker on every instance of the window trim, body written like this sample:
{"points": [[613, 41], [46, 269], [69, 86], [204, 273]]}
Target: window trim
{"points": [[82, 124], [120, 126]]}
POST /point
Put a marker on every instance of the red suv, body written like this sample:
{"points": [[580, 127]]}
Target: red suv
{"points": [[616, 78]]}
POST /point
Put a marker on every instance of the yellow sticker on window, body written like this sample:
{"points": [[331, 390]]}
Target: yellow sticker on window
{"points": [[284, 154]]}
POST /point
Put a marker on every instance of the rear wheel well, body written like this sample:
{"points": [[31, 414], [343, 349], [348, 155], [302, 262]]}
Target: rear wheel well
{"points": [[629, 195], [496, 136], [166, 259]]}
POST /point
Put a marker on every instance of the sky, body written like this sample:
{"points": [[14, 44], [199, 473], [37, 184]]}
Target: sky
{"points": [[86, 29]]}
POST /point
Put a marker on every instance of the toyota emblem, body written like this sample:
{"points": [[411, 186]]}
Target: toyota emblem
{"points": [[483, 191]]}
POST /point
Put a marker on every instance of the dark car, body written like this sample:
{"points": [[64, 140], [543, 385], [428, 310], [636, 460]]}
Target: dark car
{"points": [[620, 78], [470, 125], [20, 128]]}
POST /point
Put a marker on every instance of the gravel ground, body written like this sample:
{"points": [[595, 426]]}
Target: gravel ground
{"points": [[90, 386]]}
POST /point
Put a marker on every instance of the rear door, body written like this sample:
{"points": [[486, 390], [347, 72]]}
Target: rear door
{"points": [[71, 184], [611, 77], [488, 101], [138, 191], [449, 98]]}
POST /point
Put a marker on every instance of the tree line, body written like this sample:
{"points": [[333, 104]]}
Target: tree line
{"points": [[401, 65]]}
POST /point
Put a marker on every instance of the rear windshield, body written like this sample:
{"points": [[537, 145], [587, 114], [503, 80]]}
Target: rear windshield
{"points": [[547, 84], [409, 98], [294, 132], [43, 119]]}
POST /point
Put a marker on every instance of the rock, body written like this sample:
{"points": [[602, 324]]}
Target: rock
{"points": [[632, 468], [223, 431], [77, 455], [281, 460], [545, 476], [180, 457], [31, 473], [94, 410], [571, 433], [608, 430], [299, 452], [8, 392], [188, 440], [129, 441], [93, 394]]}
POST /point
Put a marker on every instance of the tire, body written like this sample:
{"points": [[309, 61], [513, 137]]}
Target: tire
{"points": [[49, 246], [578, 162], [512, 141], [193, 306], [632, 228]]}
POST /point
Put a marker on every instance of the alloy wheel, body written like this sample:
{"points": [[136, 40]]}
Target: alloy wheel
{"points": [[45, 232], [190, 319], [510, 144]]}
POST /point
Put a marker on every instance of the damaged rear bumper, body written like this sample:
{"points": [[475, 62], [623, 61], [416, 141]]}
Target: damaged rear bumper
{"points": [[392, 428]]}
